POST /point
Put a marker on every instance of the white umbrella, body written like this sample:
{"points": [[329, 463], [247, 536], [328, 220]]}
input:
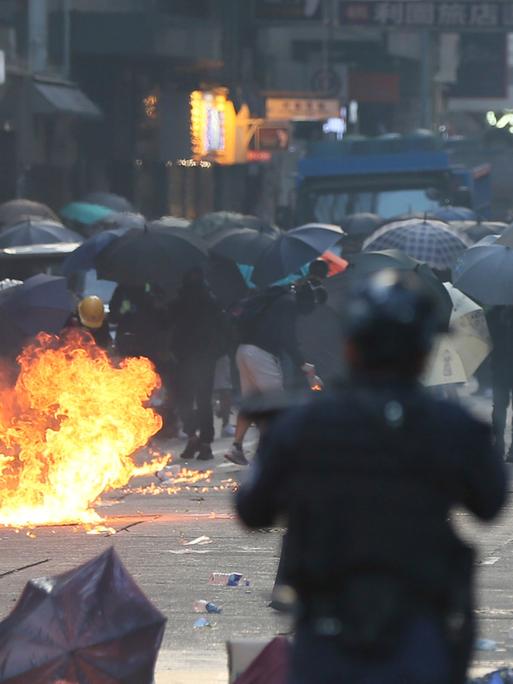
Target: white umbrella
{"points": [[456, 357]]}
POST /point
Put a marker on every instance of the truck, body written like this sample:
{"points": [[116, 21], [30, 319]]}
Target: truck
{"points": [[391, 176]]}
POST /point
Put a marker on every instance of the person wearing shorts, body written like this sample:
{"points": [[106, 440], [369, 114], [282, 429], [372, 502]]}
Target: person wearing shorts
{"points": [[272, 335]]}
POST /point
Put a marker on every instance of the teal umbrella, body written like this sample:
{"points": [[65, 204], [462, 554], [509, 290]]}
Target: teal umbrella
{"points": [[85, 213]]}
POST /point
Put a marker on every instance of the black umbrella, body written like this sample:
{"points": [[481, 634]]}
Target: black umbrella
{"points": [[361, 225], [92, 624], [170, 222], [84, 257], [477, 230], [109, 200], [42, 303], [36, 231], [225, 280], [118, 220], [242, 245], [13, 210], [153, 255], [292, 250], [208, 224], [365, 264]]}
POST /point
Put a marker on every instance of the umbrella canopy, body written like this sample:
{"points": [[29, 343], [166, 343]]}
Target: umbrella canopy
{"points": [[365, 264], [225, 280], [456, 357], [170, 222], [13, 210], [83, 258], [477, 230], [429, 241], [85, 212], [42, 303], [208, 224], [485, 274], [243, 245], [153, 255], [361, 225], [118, 219], [109, 200], [506, 238], [293, 249], [34, 231], [450, 213], [92, 624]]}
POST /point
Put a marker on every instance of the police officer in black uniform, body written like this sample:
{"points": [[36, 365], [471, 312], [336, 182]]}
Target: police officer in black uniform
{"points": [[366, 477]]}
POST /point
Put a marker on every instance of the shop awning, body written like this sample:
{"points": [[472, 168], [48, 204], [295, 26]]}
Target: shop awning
{"points": [[54, 97]]}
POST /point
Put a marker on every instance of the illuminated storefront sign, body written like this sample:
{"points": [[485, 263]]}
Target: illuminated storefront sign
{"points": [[212, 125]]}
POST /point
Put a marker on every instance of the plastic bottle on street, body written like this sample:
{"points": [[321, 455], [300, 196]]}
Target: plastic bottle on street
{"points": [[225, 579], [206, 607], [201, 623]]}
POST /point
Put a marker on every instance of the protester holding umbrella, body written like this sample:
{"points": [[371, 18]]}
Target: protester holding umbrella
{"points": [[199, 334], [366, 477], [267, 332]]}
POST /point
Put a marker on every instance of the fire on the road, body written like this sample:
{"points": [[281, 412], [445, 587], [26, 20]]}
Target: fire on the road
{"points": [[69, 428]]}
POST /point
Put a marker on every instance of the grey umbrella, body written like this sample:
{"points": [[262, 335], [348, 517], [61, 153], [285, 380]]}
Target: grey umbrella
{"points": [[208, 224], [13, 210], [485, 274], [36, 231], [109, 200]]}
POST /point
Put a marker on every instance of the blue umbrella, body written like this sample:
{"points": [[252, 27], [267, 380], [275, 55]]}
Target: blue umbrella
{"points": [[85, 213], [42, 304], [292, 250], [450, 213], [82, 259], [36, 231]]}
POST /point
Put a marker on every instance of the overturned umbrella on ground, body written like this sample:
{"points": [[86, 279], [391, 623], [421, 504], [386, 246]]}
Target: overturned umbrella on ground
{"points": [[13, 210], [294, 249], [92, 624], [429, 241], [35, 231], [154, 255]]}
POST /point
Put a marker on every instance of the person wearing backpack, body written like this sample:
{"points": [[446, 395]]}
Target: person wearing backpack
{"points": [[266, 330]]}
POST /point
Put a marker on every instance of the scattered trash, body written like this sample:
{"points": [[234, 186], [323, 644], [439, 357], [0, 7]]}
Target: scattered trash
{"points": [[183, 552], [201, 541], [168, 472], [201, 623], [225, 579], [485, 645], [206, 607]]}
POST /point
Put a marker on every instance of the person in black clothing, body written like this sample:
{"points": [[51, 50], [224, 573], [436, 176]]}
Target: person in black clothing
{"points": [[366, 477], [500, 324], [264, 341], [199, 338]]}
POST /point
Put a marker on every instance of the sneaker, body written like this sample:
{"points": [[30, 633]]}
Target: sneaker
{"points": [[191, 449], [228, 431], [205, 452], [236, 455]]}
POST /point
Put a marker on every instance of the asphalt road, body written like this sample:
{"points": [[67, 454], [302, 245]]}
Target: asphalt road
{"points": [[151, 537]]}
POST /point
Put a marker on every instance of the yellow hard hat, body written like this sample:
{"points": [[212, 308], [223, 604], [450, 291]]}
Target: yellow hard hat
{"points": [[91, 312]]}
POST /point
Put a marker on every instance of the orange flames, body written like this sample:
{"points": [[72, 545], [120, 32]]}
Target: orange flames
{"points": [[68, 428]]}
